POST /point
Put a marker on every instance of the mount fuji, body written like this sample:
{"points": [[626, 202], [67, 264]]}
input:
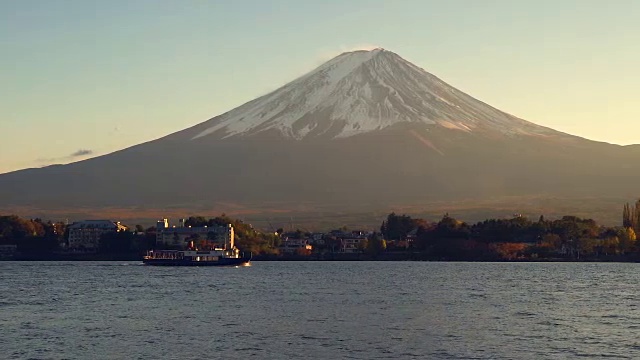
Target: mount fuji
{"points": [[359, 92], [366, 129]]}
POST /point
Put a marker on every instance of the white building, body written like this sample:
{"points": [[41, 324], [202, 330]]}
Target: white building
{"points": [[295, 246], [223, 237], [85, 235], [317, 239], [351, 244], [351, 241]]}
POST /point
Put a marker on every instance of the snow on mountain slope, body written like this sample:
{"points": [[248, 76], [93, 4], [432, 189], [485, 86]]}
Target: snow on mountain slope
{"points": [[363, 91]]}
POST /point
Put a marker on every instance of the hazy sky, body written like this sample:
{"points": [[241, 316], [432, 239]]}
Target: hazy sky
{"points": [[82, 77]]}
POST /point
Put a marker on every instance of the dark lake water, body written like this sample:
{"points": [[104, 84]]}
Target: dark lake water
{"points": [[320, 310]]}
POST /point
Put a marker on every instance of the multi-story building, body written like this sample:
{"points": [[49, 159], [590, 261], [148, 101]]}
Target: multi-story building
{"points": [[350, 244], [221, 237], [317, 239], [85, 235], [350, 241], [295, 246]]}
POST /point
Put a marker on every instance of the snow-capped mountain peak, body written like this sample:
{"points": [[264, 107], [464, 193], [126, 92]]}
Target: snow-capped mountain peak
{"points": [[362, 91]]}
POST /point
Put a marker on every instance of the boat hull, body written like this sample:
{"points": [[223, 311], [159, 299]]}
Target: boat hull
{"points": [[184, 262]]}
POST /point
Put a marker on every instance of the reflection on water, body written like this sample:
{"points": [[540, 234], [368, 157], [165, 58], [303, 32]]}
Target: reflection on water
{"points": [[320, 310]]}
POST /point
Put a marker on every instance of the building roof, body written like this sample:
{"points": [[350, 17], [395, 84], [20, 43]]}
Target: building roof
{"points": [[95, 224], [189, 230]]}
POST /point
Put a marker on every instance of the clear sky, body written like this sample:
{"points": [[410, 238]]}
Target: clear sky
{"points": [[80, 78]]}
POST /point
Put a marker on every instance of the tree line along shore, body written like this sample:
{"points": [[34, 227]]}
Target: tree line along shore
{"points": [[399, 237]]}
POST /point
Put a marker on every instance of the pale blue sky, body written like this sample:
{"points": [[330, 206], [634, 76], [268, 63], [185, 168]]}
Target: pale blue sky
{"points": [[104, 75]]}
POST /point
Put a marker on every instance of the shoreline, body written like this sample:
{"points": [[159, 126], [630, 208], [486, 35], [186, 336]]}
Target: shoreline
{"points": [[408, 257]]}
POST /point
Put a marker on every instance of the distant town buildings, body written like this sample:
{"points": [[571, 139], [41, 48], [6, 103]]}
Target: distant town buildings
{"points": [[350, 241], [85, 235], [223, 237], [295, 246], [336, 241]]}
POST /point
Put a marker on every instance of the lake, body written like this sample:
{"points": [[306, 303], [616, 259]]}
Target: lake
{"points": [[320, 310]]}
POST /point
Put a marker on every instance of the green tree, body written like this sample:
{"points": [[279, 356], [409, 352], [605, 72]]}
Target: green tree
{"points": [[587, 247], [396, 227], [375, 244], [631, 216], [363, 245], [627, 221], [627, 240], [636, 218], [552, 241], [195, 221], [611, 245]]}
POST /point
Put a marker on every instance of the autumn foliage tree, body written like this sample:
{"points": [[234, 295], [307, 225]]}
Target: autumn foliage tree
{"points": [[31, 235], [397, 227], [631, 216], [375, 244]]}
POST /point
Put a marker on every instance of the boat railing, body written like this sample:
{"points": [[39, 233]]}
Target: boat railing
{"points": [[169, 255]]}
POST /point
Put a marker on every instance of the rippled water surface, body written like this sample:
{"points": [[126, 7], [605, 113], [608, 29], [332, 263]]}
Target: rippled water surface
{"points": [[320, 310]]}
